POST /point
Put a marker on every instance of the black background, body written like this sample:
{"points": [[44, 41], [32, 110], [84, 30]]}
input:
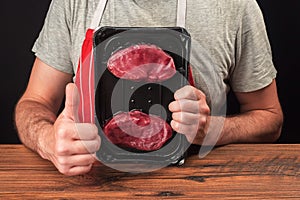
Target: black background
{"points": [[21, 22]]}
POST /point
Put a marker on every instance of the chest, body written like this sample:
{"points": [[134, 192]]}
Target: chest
{"points": [[210, 26]]}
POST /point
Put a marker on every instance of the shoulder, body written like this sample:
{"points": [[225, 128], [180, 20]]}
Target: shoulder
{"points": [[72, 5], [236, 7], [241, 12], [237, 4], [233, 9]]}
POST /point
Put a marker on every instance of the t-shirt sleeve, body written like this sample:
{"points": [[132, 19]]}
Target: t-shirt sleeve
{"points": [[254, 68], [54, 42]]}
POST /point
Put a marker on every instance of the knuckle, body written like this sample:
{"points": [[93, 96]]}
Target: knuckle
{"points": [[86, 169], [202, 122], [61, 149], [192, 95], [189, 88], [207, 110], [61, 133], [204, 108], [64, 170], [62, 161]]}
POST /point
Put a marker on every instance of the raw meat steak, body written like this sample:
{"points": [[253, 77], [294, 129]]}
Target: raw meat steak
{"points": [[138, 130], [142, 63]]}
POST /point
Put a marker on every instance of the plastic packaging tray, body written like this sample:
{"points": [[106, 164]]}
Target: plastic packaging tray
{"points": [[113, 95]]}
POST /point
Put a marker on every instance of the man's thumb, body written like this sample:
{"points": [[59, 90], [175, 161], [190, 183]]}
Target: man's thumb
{"points": [[72, 102]]}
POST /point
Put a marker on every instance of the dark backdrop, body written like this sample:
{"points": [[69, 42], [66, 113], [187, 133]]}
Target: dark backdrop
{"points": [[21, 22]]}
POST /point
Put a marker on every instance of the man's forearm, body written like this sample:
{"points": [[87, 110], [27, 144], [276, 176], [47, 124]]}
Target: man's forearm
{"points": [[251, 127], [33, 121]]}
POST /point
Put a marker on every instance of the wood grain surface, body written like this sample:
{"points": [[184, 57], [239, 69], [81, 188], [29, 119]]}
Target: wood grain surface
{"points": [[242, 171]]}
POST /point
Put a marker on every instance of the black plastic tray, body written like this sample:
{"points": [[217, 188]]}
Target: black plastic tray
{"points": [[113, 95]]}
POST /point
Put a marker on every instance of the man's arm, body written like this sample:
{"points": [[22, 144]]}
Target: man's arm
{"points": [[37, 108], [260, 118], [58, 139]]}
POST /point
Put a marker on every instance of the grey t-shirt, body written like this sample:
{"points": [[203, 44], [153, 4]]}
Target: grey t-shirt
{"points": [[230, 47]]}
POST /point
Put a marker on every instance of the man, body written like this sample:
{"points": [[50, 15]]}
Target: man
{"points": [[233, 34]]}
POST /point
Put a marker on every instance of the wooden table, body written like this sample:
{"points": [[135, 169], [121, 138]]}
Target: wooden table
{"points": [[256, 171]]}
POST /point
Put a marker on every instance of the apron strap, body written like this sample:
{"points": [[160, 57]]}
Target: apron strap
{"points": [[181, 13], [98, 14]]}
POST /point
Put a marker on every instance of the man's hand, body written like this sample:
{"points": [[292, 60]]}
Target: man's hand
{"points": [[72, 145], [190, 113]]}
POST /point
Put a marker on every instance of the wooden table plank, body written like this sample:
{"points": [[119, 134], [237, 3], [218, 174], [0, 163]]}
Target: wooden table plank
{"points": [[257, 171]]}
